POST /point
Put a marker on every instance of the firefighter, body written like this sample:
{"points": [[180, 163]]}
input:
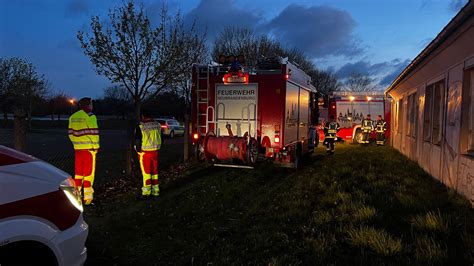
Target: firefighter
{"points": [[147, 145], [367, 127], [84, 135], [330, 130], [380, 128]]}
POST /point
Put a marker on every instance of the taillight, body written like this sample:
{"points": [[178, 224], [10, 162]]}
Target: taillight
{"points": [[69, 188], [164, 126], [277, 139]]}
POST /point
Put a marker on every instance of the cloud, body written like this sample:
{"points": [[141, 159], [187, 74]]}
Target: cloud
{"points": [[213, 16], [383, 73], [76, 8], [320, 31], [456, 5], [397, 69]]}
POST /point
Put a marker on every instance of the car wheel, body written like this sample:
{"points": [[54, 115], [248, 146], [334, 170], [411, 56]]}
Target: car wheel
{"points": [[171, 134], [199, 152]]}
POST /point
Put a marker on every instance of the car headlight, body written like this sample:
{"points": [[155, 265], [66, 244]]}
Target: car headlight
{"points": [[69, 188]]}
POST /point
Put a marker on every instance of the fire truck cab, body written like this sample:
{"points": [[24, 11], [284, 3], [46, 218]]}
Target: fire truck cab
{"points": [[245, 113]]}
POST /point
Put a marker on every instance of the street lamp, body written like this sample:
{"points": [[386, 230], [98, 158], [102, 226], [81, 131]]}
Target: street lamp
{"points": [[351, 98], [368, 101], [71, 101]]}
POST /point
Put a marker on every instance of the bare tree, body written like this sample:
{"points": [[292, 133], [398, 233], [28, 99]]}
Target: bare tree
{"points": [[324, 81], [20, 86], [143, 59], [359, 83], [59, 105], [132, 53], [243, 41], [119, 100]]}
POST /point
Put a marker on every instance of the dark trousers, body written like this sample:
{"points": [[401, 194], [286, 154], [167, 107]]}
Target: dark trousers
{"points": [[380, 138], [365, 136], [329, 142]]}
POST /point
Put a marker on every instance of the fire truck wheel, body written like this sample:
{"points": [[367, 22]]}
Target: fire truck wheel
{"points": [[358, 137], [298, 157], [252, 152]]}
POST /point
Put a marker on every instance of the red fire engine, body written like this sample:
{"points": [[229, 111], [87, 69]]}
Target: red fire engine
{"points": [[350, 108], [241, 114]]}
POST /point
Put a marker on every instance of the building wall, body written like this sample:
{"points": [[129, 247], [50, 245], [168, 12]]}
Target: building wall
{"points": [[442, 155]]}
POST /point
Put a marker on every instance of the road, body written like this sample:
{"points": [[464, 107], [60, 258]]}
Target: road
{"points": [[49, 144]]}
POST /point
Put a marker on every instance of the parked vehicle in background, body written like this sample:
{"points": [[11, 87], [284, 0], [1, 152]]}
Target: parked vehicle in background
{"points": [[41, 220], [170, 127], [350, 108]]}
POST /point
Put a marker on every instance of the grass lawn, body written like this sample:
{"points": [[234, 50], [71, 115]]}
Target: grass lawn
{"points": [[361, 206]]}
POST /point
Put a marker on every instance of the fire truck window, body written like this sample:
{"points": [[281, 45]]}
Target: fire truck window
{"points": [[427, 113]]}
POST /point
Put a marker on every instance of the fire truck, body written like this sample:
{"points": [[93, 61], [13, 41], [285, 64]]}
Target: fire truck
{"points": [[350, 108], [243, 114]]}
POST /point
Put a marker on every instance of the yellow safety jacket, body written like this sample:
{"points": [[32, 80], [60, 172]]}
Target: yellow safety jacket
{"points": [[84, 131], [150, 135]]}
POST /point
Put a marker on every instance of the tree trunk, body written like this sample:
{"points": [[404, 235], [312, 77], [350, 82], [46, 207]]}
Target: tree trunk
{"points": [[131, 137], [19, 127]]}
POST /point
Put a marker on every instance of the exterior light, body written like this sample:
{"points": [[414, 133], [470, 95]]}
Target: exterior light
{"points": [[277, 139], [195, 136], [369, 98], [71, 101], [351, 98]]}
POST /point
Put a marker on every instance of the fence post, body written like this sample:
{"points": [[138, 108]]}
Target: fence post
{"points": [[19, 130]]}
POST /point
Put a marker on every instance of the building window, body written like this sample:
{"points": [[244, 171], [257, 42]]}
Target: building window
{"points": [[427, 113], [433, 112], [438, 104], [412, 114], [471, 116], [400, 116], [467, 109]]}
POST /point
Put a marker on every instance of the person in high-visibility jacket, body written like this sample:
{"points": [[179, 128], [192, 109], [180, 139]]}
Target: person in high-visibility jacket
{"points": [[147, 145], [84, 135], [330, 130], [367, 127], [380, 128]]}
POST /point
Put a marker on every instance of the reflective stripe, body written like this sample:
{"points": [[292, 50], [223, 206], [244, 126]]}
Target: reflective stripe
{"points": [[83, 132], [85, 142]]}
